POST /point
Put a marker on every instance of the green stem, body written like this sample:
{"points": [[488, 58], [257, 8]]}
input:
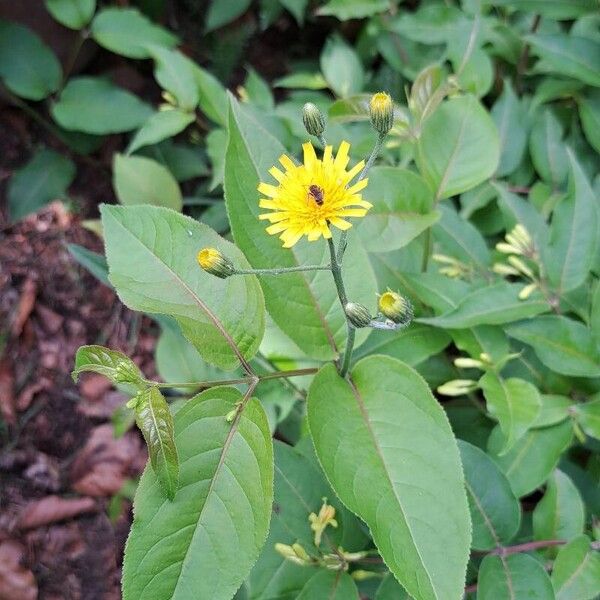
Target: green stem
{"points": [[426, 249], [282, 270]]}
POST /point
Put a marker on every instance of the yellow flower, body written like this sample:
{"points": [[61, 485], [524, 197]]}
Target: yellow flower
{"points": [[313, 195], [318, 523], [381, 109], [215, 263], [395, 307]]}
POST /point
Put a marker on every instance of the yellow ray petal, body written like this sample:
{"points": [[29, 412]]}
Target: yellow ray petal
{"points": [[287, 163], [340, 223], [268, 190], [277, 174], [355, 170], [357, 187]]}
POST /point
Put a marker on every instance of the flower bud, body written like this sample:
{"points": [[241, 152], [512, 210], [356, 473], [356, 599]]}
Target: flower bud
{"points": [[381, 109], [395, 307], [313, 119], [215, 263], [362, 575], [358, 314], [467, 363], [527, 291], [457, 387]]}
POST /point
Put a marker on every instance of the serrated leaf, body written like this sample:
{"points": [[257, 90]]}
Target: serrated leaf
{"points": [[331, 585], [75, 14], [399, 459], [512, 577], [204, 543], [151, 253], [98, 359], [576, 572], [160, 126], [514, 402], [495, 511], [470, 150], [562, 344], [155, 421]]}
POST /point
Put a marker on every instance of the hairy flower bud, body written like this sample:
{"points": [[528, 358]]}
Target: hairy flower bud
{"points": [[313, 119], [358, 314], [395, 307], [381, 109], [215, 263]]}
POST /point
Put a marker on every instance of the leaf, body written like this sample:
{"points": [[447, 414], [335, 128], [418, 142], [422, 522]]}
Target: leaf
{"points": [[28, 67], [548, 150], [576, 572], [46, 177], [127, 32], [392, 469], [530, 461], [560, 514], [562, 344], [304, 305], [495, 512], [212, 96], [75, 14], [95, 105], [574, 233], [341, 67], [333, 585], [431, 24], [107, 362], [151, 253], [509, 116], [139, 180], [222, 12], [589, 112], [470, 150], [514, 402], [160, 126], [345, 10], [493, 305], [92, 261], [588, 417], [557, 9], [402, 209], [390, 589], [554, 409], [204, 543], [154, 420], [512, 577], [567, 55], [305, 81]]}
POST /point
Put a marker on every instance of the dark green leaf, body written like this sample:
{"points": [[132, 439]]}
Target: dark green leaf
{"points": [[92, 261], [222, 12], [75, 14]]}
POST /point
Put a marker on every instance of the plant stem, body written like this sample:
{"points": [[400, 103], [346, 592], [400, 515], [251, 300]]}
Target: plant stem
{"points": [[282, 270], [426, 249], [341, 290]]}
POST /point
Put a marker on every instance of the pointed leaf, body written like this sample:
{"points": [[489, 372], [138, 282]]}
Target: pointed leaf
{"points": [[160, 126], [576, 573], [107, 362], [75, 14]]}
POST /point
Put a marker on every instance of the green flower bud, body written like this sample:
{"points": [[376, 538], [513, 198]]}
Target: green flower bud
{"points": [[381, 109], [395, 307], [313, 119], [215, 263], [358, 314]]}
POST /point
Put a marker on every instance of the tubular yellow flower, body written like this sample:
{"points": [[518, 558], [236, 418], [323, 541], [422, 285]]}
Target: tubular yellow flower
{"points": [[313, 195]]}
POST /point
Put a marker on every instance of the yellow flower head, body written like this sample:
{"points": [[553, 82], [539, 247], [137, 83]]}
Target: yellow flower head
{"points": [[313, 195], [381, 109], [215, 263], [395, 307]]}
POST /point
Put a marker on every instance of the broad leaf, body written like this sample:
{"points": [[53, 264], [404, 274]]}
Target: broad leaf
{"points": [[345, 10], [175, 73], [589, 111], [212, 96], [139, 180], [222, 12], [554, 409], [576, 572], [393, 467], [390, 589], [95, 105], [154, 419], [588, 417], [341, 67], [92, 261], [304, 305], [160, 126], [204, 543], [152, 251], [548, 149], [75, 14], [562, 344], [333, 585], [470, 150], [557, 9], [495, 512], [107, 362], [514, 402], [512, 577], [28, 67]]}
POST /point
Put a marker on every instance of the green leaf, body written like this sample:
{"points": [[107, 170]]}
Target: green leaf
{"points": [[305, 81], [495, 512], [160, 126], [128, 32], [560, 514], [345, 10], [576, 572], [75, 14], [557, 9], [107, 362], [567, 55], [46, 177], [212, 96], [589, 112], [92, 261], [304, 305], [563, 345], [530, 461], [341, 67], [441, 293], [399, 459], [95, 105], [204, 543], [515, 403], [430, 24], [554, 409], [494, 305], [222, 12], [333, 585], [28, 67], [402, 209], [509, 116], [512, 577], [588, 417], [574, 233], [548, 150], [175, 73], [152, 251], [154, 420], [470, 150], [139, 180], [390, 589]]}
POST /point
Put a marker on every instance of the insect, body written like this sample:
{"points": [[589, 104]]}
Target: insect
{"points": [[316, 193]]}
